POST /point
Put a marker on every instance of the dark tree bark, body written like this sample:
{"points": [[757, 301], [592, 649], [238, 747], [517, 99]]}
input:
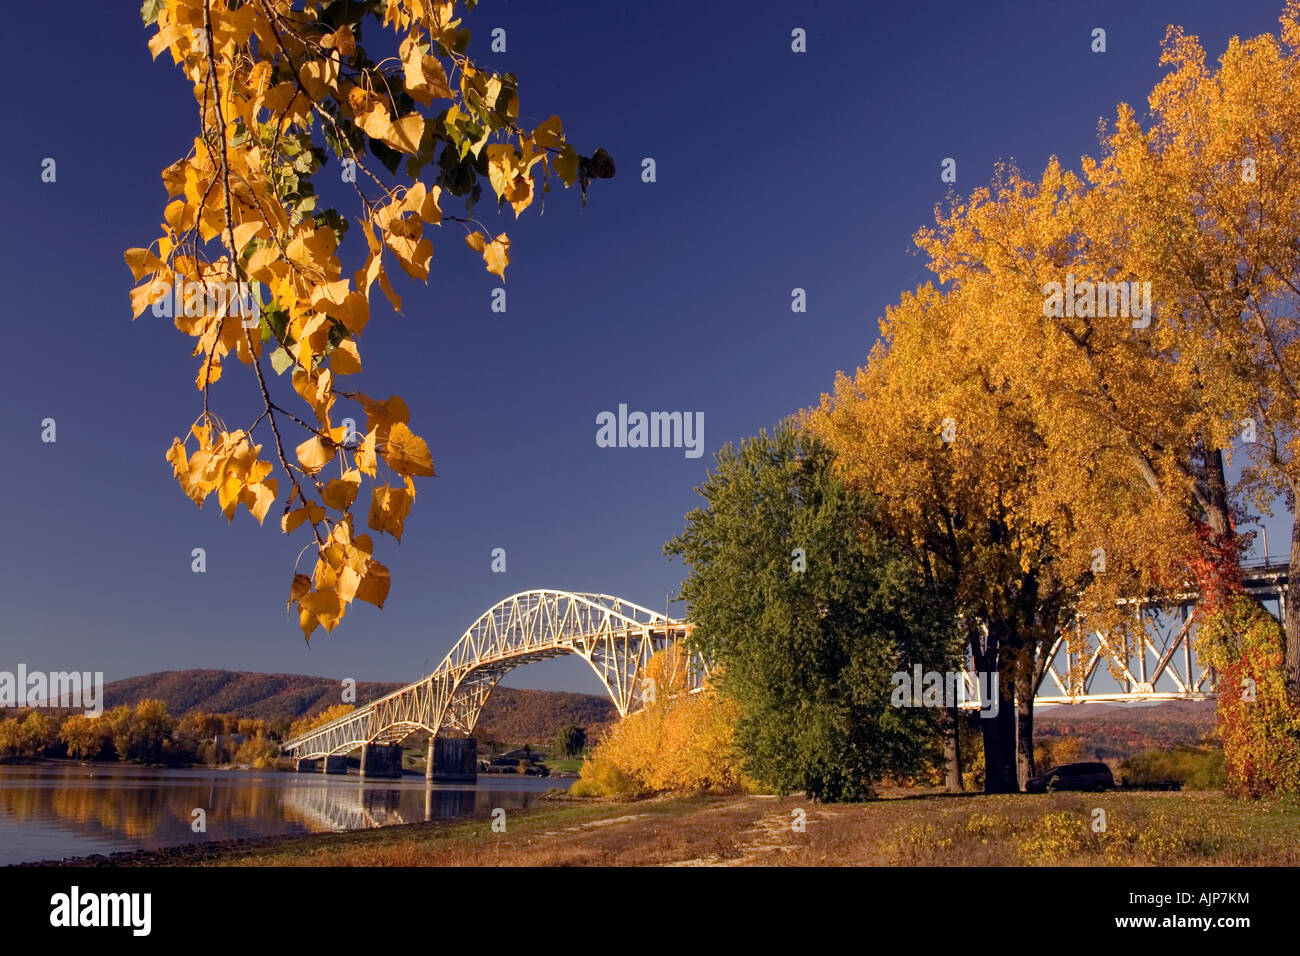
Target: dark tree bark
{"points": [[1218, 515], [1291, 614], [1025, 719], [1000, 746], [998, 729]]}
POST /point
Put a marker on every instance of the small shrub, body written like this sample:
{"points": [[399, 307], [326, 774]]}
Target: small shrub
{"points": [[1196, 768], [679, 742], [1057, 836]]}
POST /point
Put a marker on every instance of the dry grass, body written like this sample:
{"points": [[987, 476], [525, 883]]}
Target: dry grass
{"points": [[1170, 829], [906, 829]]}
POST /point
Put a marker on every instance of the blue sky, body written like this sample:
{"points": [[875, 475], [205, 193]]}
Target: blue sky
{"points": [[775, 170]]}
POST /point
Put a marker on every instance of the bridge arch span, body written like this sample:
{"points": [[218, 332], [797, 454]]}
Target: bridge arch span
{"points": [[614, 636]]}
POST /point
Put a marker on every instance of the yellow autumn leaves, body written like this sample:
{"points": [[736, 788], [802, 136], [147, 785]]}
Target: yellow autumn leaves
{"points": [[400, 225], [273, 86], [372, 115], [426, 79], [495, 253], [227, 464], [345, 571]]}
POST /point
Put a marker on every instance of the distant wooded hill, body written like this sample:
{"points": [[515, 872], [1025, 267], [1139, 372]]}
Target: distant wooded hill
{"points": [[511, 715], [516, 717], [1120, 730]]}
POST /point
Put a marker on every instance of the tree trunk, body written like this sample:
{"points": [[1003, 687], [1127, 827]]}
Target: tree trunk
{"points": [[998, 729], [1218, 568], [1218, 516], [1025, 719], [1291, 613], [952, 751], [1000, 746]]}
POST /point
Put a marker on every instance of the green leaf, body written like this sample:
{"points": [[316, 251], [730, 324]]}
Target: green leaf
{"points": [[280, 360], [278, 320]]}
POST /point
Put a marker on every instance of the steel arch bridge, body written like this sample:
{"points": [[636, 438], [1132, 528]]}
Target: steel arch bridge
{"points": [[614, 636]]}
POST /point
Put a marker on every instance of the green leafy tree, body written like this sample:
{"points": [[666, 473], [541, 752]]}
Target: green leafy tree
{"points": [[805, 616], [570, 740]]}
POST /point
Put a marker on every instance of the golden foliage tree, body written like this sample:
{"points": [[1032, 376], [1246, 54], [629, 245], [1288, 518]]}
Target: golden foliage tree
{"points": [[11, 738], [951, 452], [257, 751], [249, 266], [1257, 722], [85, 737], [1092, 430], [142, 733], [1223, 169], [30, 736], [1201, 206], [40, 733], [201, 725], [304, 724], [678, 741]]}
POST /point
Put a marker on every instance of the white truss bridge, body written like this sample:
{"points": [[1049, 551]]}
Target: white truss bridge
{"points": [[1160, 665], [616, 637]]}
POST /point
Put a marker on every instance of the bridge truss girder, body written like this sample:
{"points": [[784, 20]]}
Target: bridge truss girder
{"points": [[615, 637], [1161, 665]]}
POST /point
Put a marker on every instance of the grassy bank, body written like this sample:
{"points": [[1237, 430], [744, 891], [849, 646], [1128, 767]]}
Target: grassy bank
{"points": [[932, 829]]}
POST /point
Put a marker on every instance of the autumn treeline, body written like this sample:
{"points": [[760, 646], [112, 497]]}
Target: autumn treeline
{"points": [[145, 733]]}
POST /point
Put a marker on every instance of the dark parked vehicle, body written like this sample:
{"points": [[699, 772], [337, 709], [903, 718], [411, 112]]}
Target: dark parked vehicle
{"points": [[1072, 776]]}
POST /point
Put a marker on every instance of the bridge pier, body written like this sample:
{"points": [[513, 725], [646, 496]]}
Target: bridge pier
{"points": [[381, 761], [307, 765], [336, 763], [452, 759]]}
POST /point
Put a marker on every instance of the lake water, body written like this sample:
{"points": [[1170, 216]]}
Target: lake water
{"points": [[49, 811]]}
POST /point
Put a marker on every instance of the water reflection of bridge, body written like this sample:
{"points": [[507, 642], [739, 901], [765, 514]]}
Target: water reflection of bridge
{"points": [[348, 806]]}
